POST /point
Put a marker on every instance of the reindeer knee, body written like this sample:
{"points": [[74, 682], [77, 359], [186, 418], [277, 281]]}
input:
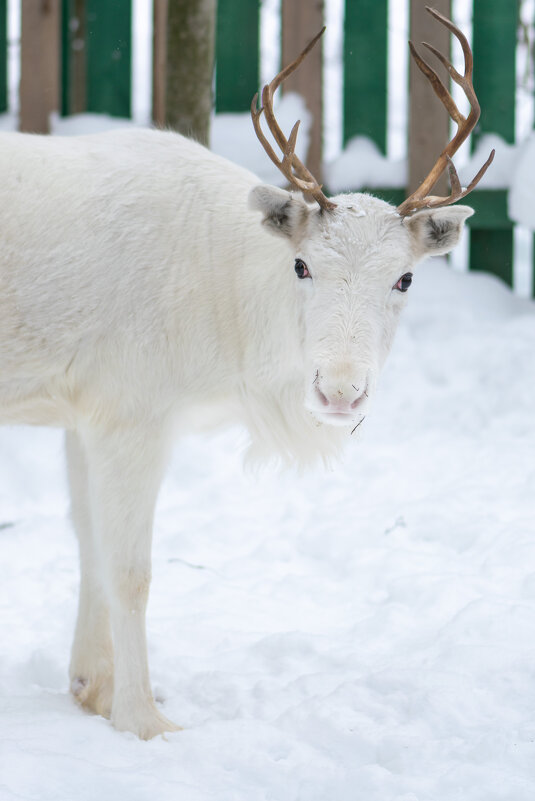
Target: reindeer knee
{"points": [[131, 587]]}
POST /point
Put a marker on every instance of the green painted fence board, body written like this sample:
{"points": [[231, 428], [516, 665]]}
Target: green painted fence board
{"points": [[68, 24], [107, 29], [494, 47], [365, 70], [3, 55], [237, 54], [109, 56], [494, 249], [490, 206], [64, 70]]}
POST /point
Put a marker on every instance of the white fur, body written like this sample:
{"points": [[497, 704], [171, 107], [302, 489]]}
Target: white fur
{"points": [[138, 290]]}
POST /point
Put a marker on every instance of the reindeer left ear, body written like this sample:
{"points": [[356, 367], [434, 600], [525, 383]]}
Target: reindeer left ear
{"points": [[285, 213], [436, 231]]}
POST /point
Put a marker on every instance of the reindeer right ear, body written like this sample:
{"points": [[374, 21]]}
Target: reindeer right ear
{"points": [[435, 232], [285, 213]]}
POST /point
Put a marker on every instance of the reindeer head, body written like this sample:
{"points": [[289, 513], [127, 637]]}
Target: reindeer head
{"points": [[354, 254]]}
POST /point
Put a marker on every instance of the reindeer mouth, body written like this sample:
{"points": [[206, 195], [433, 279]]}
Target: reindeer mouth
{"points": [[339, 418], [336, 418]]}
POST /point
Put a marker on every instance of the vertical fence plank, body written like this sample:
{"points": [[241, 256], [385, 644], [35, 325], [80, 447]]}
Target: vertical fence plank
{"points": [[494, 46], [73, 57], [3, 55], [109, 56], [97, 56], [39, 79], [65, 55], [237, 54], [365, 70], [159, 60], [301, 21], [428, 119], [495, 33]]}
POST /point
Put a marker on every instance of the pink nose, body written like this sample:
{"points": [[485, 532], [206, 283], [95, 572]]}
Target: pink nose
{"points": [[342, 399]]}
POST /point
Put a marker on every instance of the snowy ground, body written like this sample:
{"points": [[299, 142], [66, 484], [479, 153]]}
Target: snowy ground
{"points": [[361, 635]]}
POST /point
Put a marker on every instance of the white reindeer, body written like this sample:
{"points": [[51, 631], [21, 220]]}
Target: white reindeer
{"points": [[139, 292]]}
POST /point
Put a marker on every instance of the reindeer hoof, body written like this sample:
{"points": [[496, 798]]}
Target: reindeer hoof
{"points": [[95, 694]]}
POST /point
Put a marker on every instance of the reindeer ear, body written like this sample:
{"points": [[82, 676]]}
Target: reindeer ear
{"points": [[285, 214], [436, 231]]}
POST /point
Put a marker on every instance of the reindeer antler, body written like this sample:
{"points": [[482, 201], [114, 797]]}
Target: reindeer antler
{"points": [[420, 198], [291, 167]]}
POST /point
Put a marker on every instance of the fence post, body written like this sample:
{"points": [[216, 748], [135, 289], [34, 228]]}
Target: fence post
{"points": [[301, 21], [237, 54], [494, 46], [428, 119], [39, 79]]}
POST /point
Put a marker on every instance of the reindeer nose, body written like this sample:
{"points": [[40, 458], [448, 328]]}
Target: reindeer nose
{"points": [[340, 397]]}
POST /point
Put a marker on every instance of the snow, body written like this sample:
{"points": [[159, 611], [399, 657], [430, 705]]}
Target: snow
{"points": [[521, 198], [362, 165], [365, 633], [498, 176]]}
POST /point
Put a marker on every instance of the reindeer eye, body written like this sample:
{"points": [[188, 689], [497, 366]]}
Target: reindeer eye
{"points": [[301, 269], [404, 282]]}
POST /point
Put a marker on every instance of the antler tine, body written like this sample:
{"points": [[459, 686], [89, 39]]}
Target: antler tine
{"points": [[457, 191], [256, 113], [291, 167], [267, 103], [439, 88], [290, 148], [477, 178], [455, 76], [463, 41], [284, 73], [273, 125], [465, 125], [285, 165], [455, 183]]}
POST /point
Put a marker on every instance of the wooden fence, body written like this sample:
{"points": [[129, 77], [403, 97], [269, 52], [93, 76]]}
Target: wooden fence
{"points": [[494, 44], [94, 74]]}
